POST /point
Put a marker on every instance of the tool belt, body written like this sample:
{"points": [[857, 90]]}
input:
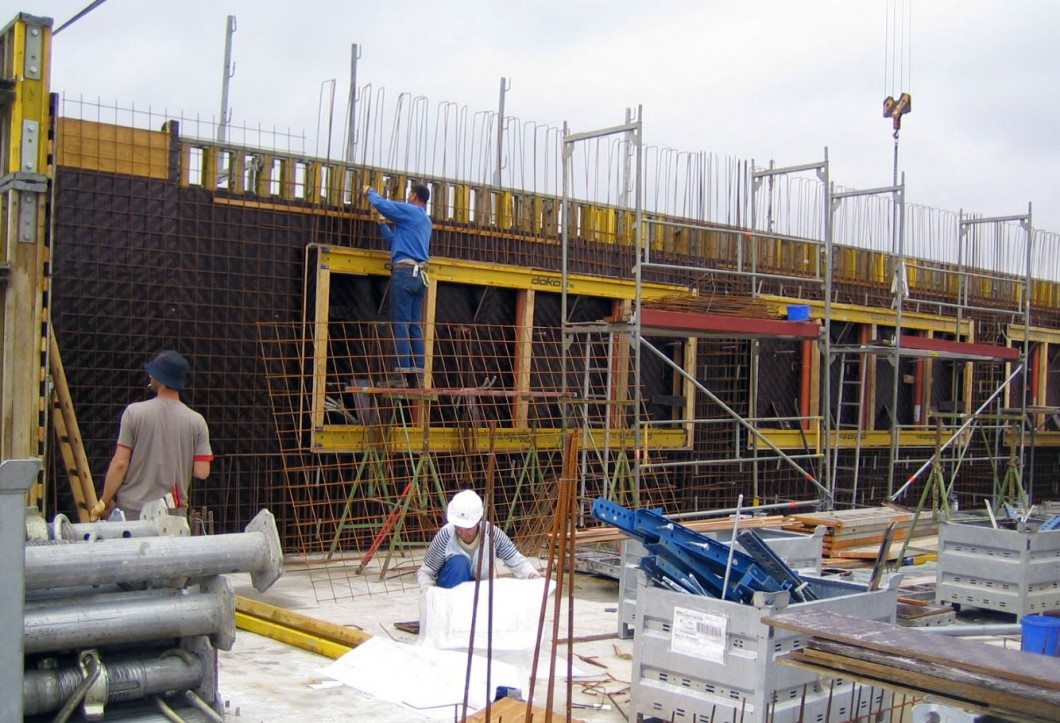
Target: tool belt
{"points": [[419, 268]]}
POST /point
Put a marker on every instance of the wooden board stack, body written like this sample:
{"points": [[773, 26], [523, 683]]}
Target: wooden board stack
{"points": [[848, 530], [969, 674]]}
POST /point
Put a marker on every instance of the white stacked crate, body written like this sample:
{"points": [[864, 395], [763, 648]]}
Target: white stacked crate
{"points": [[998, 569], [697, 659]]}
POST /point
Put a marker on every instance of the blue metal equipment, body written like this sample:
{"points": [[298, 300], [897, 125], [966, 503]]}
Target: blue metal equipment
{"points": [[688, 561]]}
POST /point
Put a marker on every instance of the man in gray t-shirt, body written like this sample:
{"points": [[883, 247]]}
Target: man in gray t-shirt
{"points": [[162, 445]]}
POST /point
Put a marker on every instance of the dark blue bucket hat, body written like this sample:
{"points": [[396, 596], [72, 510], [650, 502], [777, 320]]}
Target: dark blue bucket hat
{"points": [[170, 368]]}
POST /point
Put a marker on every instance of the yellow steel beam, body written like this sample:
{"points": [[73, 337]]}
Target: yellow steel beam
{"points": [[869, 315], [336, 438], [1037, 333], [791, 439], [364, 262]]}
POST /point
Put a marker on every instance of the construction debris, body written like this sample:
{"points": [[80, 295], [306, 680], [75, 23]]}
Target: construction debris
{"points": [[1011, 684]]}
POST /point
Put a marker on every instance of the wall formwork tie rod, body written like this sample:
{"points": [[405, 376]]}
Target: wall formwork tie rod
{"points": [[256, 551]]}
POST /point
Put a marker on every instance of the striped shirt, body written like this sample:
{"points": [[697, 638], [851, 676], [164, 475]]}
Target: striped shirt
{"points": [[446, 544]]}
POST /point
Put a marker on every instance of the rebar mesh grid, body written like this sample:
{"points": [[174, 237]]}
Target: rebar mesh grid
{"points": [[146, 259]]}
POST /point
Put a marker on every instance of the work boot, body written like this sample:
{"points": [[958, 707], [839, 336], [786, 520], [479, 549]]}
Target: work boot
{"points": [[397, 380]]}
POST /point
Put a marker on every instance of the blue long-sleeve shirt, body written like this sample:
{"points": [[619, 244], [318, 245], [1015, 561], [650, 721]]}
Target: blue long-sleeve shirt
{"points": [[410, 238]]}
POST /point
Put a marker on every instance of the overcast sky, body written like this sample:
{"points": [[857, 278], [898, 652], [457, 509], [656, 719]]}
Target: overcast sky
{"points": [[757, 79]]}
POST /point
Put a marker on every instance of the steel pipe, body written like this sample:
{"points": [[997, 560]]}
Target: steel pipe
{"points": [[256, 551], [16, 477], [129, 679], [109, 622], [155, 521], [85, 531]]}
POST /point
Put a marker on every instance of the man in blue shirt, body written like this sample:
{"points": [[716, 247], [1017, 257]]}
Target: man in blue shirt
{"points": [[410, 241]]}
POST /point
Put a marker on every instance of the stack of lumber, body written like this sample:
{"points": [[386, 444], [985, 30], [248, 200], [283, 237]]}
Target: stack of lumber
{"points": [[857, 534], [969, 674]]}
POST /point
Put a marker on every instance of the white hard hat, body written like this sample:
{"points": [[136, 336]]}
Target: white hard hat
{"points": [[465, 509]]}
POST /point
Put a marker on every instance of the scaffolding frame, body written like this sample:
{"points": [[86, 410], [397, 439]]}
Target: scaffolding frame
{"points": [[637, 324], [632, 132], [905, 346]]}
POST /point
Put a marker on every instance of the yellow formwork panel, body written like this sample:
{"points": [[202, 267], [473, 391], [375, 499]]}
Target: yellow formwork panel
{"points": [[209, 166], [879, 268], [461, 211], [114, 149], [504, 210], [1045, 293], [109, 148]]}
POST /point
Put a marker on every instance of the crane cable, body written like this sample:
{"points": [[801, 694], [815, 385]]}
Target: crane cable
{"points": [[897, 65], [897, 56], [89, 8]]}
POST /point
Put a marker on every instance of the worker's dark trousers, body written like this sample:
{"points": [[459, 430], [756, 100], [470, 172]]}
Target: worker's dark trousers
{"points": [[455, 570], [406, 314]]}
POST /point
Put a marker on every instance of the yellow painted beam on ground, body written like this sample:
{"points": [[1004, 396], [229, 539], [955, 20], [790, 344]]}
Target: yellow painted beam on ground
{"points": [[301, 631], [290, 636]]}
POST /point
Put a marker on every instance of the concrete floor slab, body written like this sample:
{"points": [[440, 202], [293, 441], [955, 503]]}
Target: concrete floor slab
{"points": [[264, 680]]}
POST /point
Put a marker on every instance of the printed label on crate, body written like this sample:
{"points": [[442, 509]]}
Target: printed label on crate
{"points": [[697, 633]]}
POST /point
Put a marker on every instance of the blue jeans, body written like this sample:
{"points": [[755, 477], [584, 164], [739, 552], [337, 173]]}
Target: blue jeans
{"points": [[455, 570], [406, 315]]}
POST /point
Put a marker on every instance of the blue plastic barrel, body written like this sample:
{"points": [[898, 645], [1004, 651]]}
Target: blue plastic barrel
{"points": [[1041, 634]]}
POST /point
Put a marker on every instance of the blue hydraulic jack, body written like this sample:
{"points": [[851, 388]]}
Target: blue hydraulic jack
{"points": [[687, 561]]}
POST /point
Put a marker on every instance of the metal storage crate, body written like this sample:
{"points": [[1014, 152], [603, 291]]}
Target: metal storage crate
{"points": [[998, 569], [801, 552], [701, 660]]}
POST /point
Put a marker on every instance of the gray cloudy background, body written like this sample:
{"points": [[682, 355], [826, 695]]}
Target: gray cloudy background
{"points": [[754, 79]]}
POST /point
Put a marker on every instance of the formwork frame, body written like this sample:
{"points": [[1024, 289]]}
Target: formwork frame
{"points": [[25, 174]]}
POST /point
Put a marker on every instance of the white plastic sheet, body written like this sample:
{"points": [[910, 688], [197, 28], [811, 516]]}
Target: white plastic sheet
{"points": [[445, 615], [427, 680]]}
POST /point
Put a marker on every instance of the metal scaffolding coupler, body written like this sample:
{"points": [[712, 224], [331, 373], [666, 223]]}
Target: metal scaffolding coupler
{"points": [[688, 561]]}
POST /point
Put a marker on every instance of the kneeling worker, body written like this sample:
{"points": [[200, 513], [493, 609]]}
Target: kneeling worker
{"points": [[453, 555]]}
